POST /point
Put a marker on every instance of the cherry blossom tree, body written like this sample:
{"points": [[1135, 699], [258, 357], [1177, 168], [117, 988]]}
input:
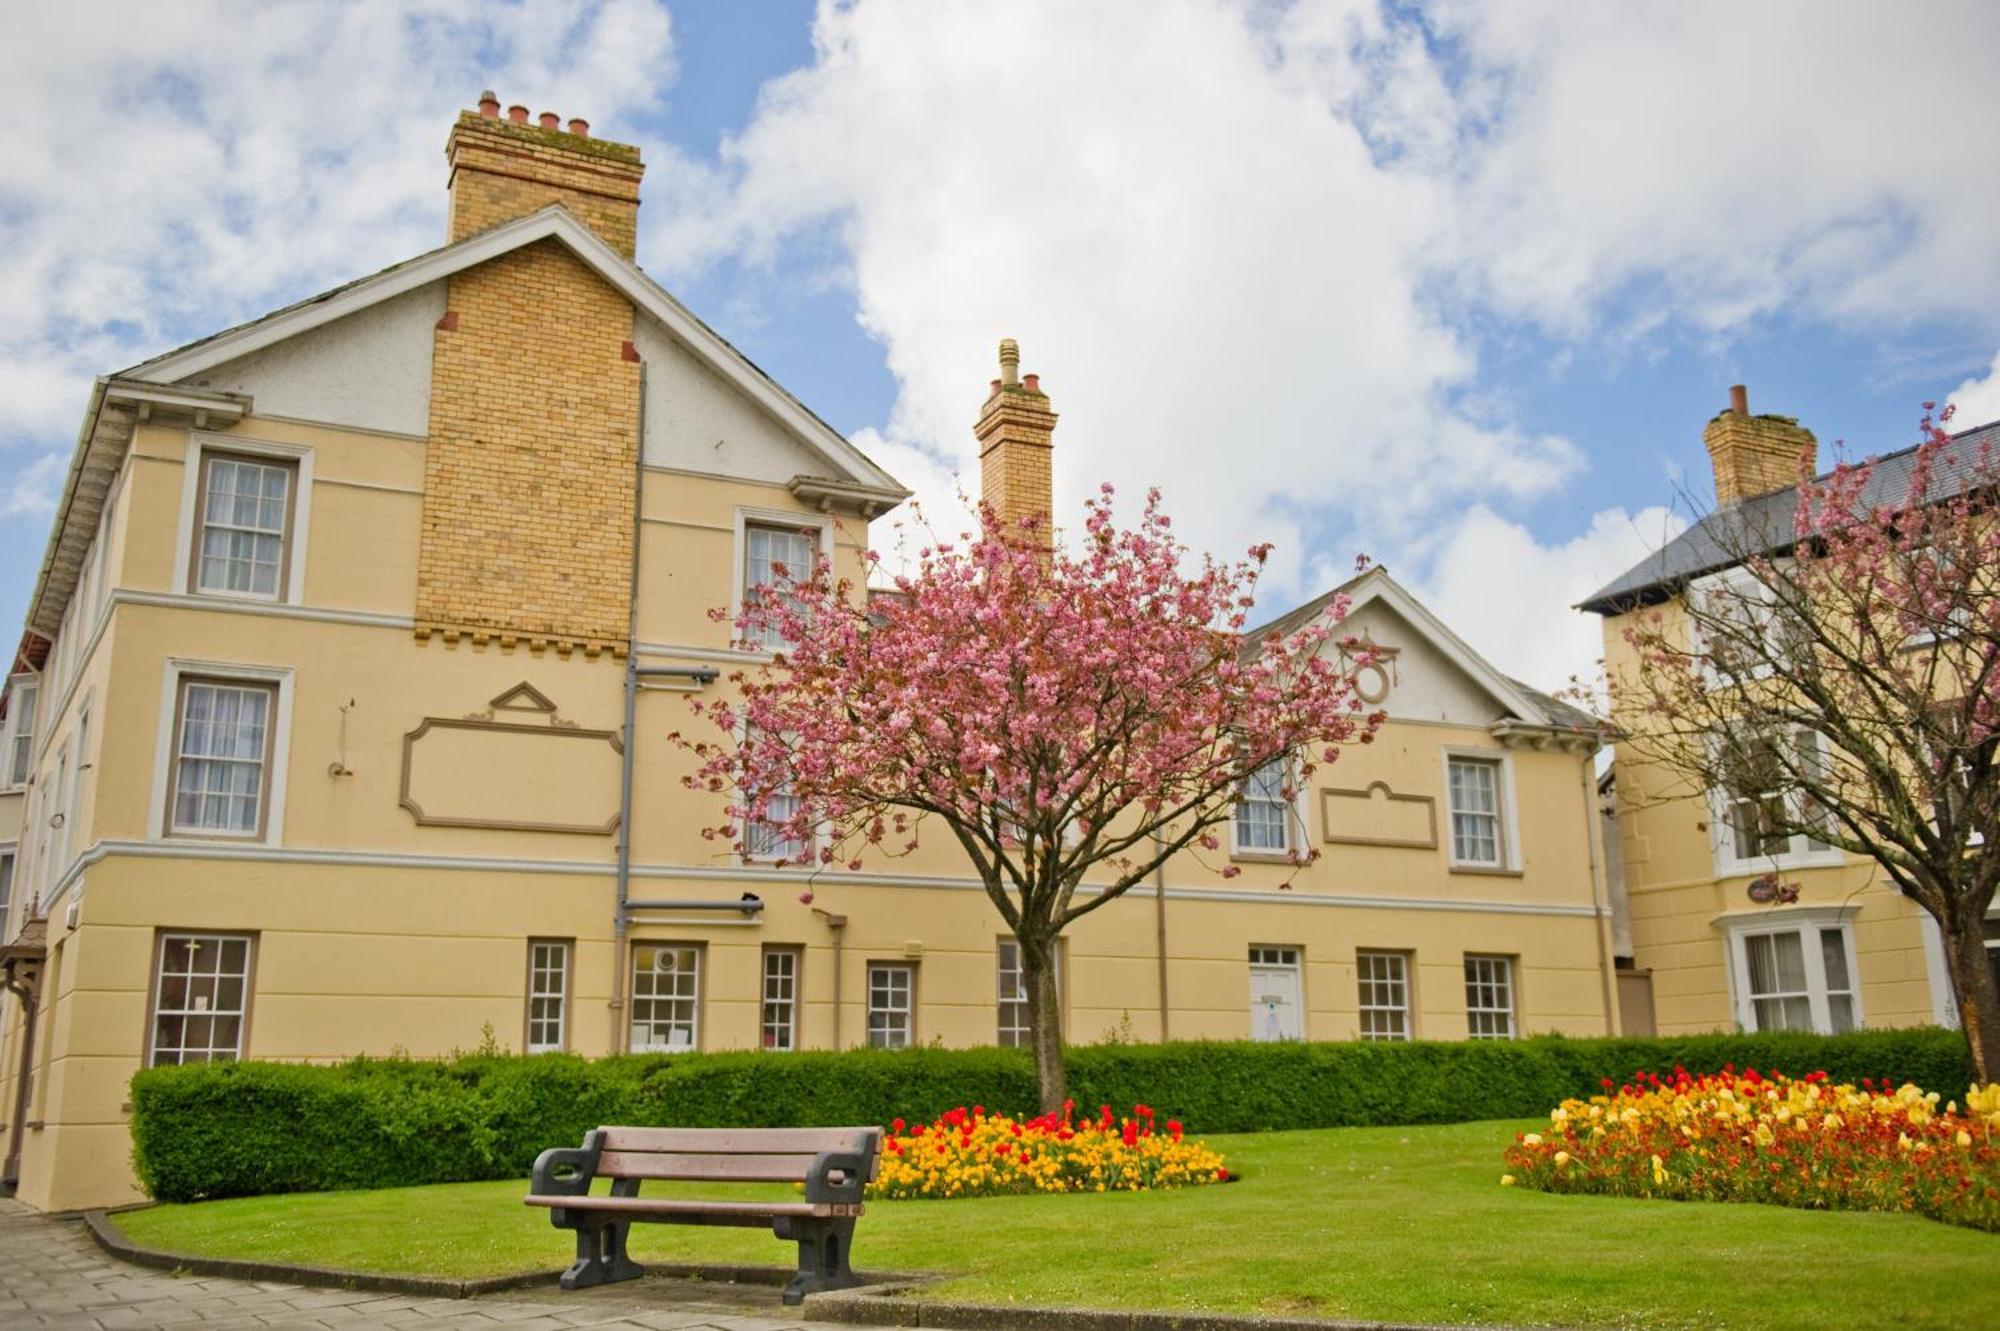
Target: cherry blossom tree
{"points": [[1844, 686], [1072, 719]]}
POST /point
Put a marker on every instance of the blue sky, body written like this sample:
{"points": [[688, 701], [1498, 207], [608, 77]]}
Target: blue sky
{"points": [[1456, 285]]}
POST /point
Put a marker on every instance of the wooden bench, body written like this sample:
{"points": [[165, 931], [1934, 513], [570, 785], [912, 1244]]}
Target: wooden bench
{"points": [[834, 1164]]}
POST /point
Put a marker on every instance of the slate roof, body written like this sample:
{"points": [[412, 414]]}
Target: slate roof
{"points": [[1765, 523]]}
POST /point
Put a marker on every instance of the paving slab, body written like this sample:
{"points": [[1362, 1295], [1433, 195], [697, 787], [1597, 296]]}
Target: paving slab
{"points": [[53, 1275]]}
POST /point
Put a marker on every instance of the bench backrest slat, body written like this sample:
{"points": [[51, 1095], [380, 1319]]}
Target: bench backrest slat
{"points": [[733, 1168], [740, 1141]]}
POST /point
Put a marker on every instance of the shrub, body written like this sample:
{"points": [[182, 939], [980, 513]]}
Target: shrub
{"points": [[232, 1129]]}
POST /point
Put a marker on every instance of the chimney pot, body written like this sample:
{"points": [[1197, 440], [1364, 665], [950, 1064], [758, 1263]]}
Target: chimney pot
{"points": [[580, 128], [550, 120], [1010, 361], [518, 114], [489, 105], [1033, 381], [1739, 400], [996, 385]]}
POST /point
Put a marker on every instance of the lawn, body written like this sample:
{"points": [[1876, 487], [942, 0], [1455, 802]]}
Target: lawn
{"points": [[1388, 1223]]}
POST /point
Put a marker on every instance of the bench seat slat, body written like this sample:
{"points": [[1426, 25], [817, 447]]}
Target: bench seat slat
{"points": [[729, 1168], [738, 1141], [668, 1206]]}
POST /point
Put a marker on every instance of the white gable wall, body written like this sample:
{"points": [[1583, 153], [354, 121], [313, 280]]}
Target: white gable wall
{"points": [[370, 370], [697, 422], [1429, 687]]}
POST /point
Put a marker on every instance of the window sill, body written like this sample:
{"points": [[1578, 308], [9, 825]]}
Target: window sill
{"points": [[1834, 859], [1488, 870], [1261, 856]]}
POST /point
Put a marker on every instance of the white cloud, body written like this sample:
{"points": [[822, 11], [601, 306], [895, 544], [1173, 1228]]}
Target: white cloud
{"points": [[1509, 594], [1977, 400], [1800, 153], [1198, 251], [171, 168], [1244, 244]]}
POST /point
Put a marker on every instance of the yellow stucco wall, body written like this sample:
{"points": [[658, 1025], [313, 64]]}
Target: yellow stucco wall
{"points": [[1680, 900]]}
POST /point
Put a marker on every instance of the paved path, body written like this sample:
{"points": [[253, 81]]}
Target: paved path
{"points": [[52, 1275]]}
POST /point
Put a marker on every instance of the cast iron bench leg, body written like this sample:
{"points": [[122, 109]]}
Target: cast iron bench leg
{"points": [[600, 1257], [823, 1253], [600, 1248]]}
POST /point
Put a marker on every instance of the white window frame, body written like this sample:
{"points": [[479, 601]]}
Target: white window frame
{"points": [[1279, 957], [1401, 980], [748, 517], [10, 872], [907, 1011], [202, 443], [1001, 1001], [1296, 839], [1510, 977], [20, 726], [1737, 582], [1798, 853], [1507, 823], [539, 971], [1808, 921], [164, 757], [808, 858], [694, 1021], [779, 991], [154, 1010]]}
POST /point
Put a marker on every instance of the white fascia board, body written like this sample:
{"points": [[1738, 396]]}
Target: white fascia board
{"points": [[552, 222]]}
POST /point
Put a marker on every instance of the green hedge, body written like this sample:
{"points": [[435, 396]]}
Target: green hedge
{"points": [[232, 1129]]}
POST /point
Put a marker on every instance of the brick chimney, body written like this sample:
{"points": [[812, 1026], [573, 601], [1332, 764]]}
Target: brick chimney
{"points": [[1015, 433], [1754, 455], [504, 168]]}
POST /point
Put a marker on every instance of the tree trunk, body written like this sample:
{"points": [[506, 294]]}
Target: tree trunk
{"points": [[1978, 993], [1038, 976]]}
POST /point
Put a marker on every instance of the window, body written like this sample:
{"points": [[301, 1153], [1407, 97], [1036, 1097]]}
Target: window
{"points": [[1795, 977], [202, 998], [21, 730], [892, 988], [1489, 998], [221, 756], [1993, 946], [1013, 989], [764, 838], [1384, 979], [1263, 813], [780, 1028], [246, 518], [548, 996], [666, 997], [1277, 1007], [1762, 801], [6, 890], [774, 556], [1013, 992], [1473, 785], [1747, 629]]}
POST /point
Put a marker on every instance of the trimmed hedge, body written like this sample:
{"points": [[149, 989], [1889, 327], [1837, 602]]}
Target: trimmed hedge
{"points": [[233, 1129]]}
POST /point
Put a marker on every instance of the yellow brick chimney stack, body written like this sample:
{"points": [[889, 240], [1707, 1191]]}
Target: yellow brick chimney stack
{"points": [[528, 530], [1016, 431], [504, 168], [1754, 455]]}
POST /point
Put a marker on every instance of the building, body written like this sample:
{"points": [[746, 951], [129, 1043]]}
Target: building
{"points": [[340, 724], [1851, 951]]}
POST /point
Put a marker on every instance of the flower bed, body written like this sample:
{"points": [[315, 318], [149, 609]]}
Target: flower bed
{"points": [[1746, 1137], [977, 1154]]}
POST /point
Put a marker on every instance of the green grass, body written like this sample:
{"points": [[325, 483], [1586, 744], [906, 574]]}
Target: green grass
{"points": [[1390, 1223]]}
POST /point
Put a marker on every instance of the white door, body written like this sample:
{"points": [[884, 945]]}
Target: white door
{"points": [[1277, 1010]]}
